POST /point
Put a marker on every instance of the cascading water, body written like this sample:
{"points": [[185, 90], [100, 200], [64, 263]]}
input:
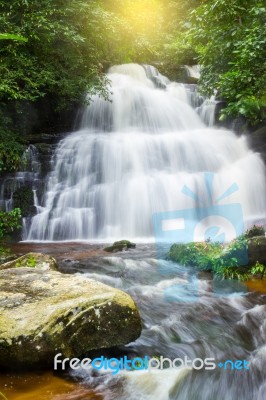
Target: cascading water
{"points": [[28, 175], [131, 158]]}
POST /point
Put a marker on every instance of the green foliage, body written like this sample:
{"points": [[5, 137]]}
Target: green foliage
{"points": [[9, 222], [256, 230], [201, 255], [68, 44], [60, 55], [213, 257], [10, 151], [9, 36], [234, 273], [258, 269], [4, 252], [229, 37], [219, 259]]}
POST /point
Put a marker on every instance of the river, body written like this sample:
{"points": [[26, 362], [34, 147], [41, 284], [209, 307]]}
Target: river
{"points": [[195, 321]]}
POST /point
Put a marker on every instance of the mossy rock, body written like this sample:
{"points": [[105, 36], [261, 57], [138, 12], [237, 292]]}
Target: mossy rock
{"points": [[43, 313], [120, 246], [32, 260]]}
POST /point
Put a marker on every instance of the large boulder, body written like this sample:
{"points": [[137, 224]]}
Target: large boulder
{"points": [[44, 312], [257, 250]]}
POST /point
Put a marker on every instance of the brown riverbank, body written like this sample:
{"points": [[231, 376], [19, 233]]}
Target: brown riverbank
{"points": [[43, 386]]}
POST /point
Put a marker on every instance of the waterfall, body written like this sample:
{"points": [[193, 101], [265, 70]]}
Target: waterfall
{"points": [[28, 175], [133, 155], [193, 71]]}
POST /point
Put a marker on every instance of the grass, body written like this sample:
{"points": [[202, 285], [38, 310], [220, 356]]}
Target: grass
{"points": [[225, 261]]}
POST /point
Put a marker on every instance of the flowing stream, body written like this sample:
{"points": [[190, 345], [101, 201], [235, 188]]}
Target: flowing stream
{"points": [[130, 159], [196, 321], [132, 156]]}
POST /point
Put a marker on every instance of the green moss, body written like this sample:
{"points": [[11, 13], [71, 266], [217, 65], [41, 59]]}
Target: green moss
{"points": [[120, 246], [60, 314], [28, 261]]}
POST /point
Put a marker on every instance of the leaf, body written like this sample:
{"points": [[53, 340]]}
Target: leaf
{"points": [[10, 36]]}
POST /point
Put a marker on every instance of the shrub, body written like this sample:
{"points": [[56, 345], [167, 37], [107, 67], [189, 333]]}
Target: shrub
{"points": [[256, 230], [9, 222], [258, 269], [10, 150], [221, 259]]}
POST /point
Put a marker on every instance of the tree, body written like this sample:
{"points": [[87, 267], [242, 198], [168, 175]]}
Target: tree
{"points": [[230, 39], [57, 57]]}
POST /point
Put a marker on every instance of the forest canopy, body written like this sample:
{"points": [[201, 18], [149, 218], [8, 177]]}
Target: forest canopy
{"points": [[59, 50]]}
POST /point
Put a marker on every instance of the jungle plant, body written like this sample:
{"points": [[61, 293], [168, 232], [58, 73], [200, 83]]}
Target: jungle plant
{"points": [[258, 269], [9, 222], [256, 230]]}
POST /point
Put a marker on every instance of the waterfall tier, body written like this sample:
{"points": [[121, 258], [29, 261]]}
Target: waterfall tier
{"points": [[131, 158]]}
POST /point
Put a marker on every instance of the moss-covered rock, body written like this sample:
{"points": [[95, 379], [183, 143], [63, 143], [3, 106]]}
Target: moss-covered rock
{"points": [[43, 313], [120, 246], [32, 260]]}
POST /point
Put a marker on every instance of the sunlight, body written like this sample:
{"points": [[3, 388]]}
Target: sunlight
{"points": [[143, 16]]}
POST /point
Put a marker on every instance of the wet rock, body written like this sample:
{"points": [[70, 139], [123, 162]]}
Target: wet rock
{"points": [[43, 313], [120, 246], [23, 199], [32, 260], [257, 250], [257, 140]]}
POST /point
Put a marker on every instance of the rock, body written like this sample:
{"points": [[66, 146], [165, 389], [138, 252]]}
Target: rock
{"points": [[257, 250], [120, 246], [257, 141], [43, 313], [23, 198], [6, 255], [32, 260]]}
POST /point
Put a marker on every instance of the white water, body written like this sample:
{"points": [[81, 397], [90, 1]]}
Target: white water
{"points": [[193, 71], [131, 158], [28, 174], [216, 319]]}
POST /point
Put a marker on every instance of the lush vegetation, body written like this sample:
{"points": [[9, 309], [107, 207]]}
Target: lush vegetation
{"points": [[53, 52], [226, 261], [9, 222], [230, 40]]}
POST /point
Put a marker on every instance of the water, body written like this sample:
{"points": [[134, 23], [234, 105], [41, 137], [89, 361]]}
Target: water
{"points": [[221, 327], [28, 175], [195, 323], [193, 71], [131, 158]]}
